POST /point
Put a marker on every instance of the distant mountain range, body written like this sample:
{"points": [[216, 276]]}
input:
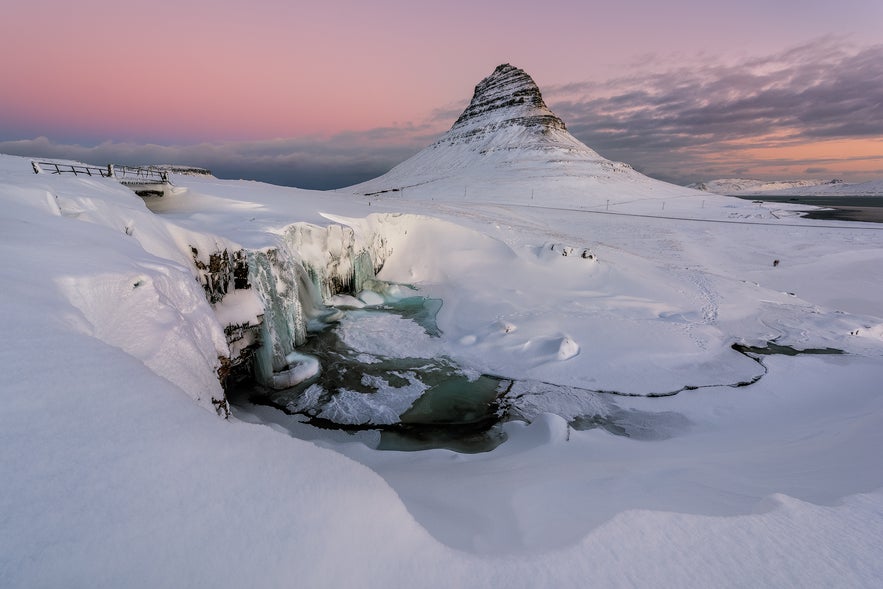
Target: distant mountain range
{"points": [[180, 169], [745, 186]]}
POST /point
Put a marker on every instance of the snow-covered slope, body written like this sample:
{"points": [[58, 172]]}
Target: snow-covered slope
{"points": [[99, 257], [113, 477], [507, 146]]}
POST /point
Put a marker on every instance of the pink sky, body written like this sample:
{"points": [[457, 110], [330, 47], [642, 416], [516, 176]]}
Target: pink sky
{"points": [[193, 71]]}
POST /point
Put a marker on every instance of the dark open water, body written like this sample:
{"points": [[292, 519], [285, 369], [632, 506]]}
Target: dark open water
{"points": [[842, 208]]}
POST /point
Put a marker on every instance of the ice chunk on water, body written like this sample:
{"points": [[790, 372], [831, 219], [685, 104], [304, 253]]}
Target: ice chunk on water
{"points": [[346, 301], [390, 291], [382, 407], [306, 400], [385, 334], [301, 368], [371, 298]]}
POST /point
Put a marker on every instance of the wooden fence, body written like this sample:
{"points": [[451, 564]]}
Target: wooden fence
{"points": [[75, 169], [123, 174], [140, 175]]}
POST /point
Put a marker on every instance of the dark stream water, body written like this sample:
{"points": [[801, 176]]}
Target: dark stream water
{"points": [[415, 403]]}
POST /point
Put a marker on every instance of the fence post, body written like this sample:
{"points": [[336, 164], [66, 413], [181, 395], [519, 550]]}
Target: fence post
{"points": [[35, 166], [110, 171]]}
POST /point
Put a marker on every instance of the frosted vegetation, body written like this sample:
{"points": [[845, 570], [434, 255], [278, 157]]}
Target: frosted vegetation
{"points": [[599, 378]]}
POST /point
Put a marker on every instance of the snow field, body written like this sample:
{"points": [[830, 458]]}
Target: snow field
{"points": [[113, 475]]}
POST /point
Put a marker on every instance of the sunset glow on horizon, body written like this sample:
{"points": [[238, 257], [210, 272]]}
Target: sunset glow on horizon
{"points": [[396, 73]]}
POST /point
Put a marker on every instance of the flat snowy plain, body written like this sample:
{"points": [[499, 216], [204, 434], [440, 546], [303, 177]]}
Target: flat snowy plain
{"points": [[116, 471]]}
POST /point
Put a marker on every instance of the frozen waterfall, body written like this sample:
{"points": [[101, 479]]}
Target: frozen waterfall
{"points": [[310, 265]]}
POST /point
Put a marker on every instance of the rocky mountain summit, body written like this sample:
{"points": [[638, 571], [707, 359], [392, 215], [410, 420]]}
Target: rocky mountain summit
{"points": [[507, 97], [507, 112]]}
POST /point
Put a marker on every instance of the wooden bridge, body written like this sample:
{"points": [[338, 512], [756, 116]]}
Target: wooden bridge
{"points": [[143, 180]]}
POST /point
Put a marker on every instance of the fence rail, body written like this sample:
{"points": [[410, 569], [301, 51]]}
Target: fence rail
{"points": [[140, 175], [75, 169], [124, 174]]}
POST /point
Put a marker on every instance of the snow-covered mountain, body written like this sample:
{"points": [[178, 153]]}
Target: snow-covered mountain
{"points": [[871, 188], [746, 186], [733, 186], [508, 137]]}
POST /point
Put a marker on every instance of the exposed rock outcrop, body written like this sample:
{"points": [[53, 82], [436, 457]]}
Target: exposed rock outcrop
{"points": [[222, 271], [507, 97]]}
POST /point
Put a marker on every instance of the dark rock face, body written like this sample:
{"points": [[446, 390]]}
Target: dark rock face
{"points": [[224, 273], [507, 97], [222, 269]]}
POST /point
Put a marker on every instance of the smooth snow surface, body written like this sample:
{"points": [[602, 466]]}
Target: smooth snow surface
{"points": [[571, 275]]}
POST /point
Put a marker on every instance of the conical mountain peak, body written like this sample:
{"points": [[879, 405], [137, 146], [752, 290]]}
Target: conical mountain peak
{"points": [[508, 96], [507, 136]]}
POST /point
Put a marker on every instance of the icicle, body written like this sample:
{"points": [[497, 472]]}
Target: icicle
{"points": [[311, 265], [284, 325], [363, 270]]}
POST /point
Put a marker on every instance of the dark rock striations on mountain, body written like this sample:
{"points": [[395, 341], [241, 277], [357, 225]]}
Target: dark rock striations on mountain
{"points": [[507, 97]]}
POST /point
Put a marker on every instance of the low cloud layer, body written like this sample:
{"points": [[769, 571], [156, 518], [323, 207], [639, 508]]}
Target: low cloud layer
{"points": [[690, 122], [682, 123], [308, 162]]}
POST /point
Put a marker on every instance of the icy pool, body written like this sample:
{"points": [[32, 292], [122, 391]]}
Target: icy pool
{"points": [[384, 379], [383, 369]]}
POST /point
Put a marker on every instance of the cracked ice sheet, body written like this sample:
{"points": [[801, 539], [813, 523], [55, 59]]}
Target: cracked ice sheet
{"points": [[386, 334], [382, 407]]}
